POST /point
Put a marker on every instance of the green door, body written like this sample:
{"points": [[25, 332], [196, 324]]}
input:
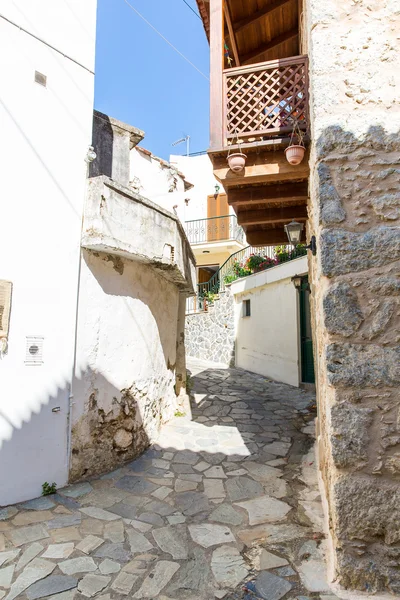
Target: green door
{"points": [[306, 349]]}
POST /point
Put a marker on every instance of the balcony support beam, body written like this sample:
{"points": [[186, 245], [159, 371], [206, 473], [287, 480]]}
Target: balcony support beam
{"points": [[252, 57], [296, 193], [231, 34], [243, 23], [216, 68], [283, 214], [266, 237]]}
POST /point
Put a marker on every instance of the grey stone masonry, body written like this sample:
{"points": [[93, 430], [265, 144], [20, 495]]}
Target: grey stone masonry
{"points": [[211, 335], [354, 213]]}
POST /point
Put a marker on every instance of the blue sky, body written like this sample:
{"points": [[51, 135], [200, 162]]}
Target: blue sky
{"points": [[142, 81]]}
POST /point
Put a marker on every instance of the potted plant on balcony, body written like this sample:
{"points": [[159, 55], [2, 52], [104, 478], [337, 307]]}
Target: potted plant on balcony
{"points": [[295, 151], [236, 160]]}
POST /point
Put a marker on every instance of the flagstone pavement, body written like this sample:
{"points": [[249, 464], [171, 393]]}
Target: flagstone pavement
{"points": [[224, 506]]}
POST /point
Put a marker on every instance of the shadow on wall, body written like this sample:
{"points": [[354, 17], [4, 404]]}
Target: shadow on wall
{"points": [[119, 277]]}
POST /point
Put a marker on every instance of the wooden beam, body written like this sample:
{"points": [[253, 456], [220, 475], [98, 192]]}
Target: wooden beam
{"points": [[266, 237], [283, 214], [264, 194], [231, 34], [266, 167], [256, 16], [280, 39], [216, 68]]}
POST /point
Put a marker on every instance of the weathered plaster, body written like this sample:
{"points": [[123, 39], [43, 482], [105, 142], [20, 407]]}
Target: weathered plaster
{"points": [[354, 199]]}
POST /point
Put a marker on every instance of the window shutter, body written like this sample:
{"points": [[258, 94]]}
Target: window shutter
{"points": [[5, 307]]}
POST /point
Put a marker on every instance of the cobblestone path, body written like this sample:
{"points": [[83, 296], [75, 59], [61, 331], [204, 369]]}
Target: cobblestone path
{"points": [[224, 506]]}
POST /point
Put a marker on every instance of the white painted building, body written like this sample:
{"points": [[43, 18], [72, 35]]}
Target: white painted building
{"points": [[47, 50]]}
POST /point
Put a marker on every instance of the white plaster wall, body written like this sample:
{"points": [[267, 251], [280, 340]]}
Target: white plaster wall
{"points": [[198, 170], [155, 178], [45, 134], [267, 342], [127, 333]]}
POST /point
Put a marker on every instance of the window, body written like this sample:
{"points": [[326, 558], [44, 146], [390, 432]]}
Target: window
{"points": [[246, 312]]}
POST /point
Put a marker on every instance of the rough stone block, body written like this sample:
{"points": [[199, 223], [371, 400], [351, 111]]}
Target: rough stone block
{"points": [[350, 437], [358, 365], [344, 251], [342, 312]]}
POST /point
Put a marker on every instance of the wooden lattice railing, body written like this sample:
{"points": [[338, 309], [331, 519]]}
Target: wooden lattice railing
{"points": [[266, 99]]}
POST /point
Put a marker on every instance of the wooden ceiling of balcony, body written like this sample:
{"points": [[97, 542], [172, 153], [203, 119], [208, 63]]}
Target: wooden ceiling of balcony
{"points": [[258, 30]]}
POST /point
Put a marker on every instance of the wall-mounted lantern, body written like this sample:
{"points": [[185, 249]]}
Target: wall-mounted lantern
{"points": [[293, 231], [297, 280]]}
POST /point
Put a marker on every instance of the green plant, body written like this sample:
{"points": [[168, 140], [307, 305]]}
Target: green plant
{"points": [[254, 261], [179, 413], [230, 278], [48, 489], [209, 296]]}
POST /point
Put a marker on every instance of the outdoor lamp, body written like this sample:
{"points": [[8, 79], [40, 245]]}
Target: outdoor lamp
{"points": [[296, 280], [293, 231]]}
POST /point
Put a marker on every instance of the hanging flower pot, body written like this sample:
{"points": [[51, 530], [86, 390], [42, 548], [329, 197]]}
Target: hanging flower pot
{"points": [[237, 162], [294, 154]]}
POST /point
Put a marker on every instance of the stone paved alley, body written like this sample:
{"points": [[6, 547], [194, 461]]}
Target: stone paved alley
{"points": [[224, 506]]}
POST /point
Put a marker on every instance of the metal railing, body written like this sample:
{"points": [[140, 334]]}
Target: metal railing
{"points": [[266, 99], [214, 229], [235, 267]]}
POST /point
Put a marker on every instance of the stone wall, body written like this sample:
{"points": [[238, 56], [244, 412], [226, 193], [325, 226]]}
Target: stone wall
{"points": [[355, 214], [211, 335]]}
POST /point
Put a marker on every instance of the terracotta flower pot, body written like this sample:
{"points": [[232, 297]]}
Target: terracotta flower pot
{"points": [[237, 162], [294, 154]]}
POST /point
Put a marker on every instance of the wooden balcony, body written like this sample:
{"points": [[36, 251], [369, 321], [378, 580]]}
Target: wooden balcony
{"points": [[266, 100]]}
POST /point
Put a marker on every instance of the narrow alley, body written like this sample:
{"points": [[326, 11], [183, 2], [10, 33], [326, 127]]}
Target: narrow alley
{"points": [[226, 505]]}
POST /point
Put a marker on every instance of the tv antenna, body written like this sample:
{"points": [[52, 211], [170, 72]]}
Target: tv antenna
{"points": [[181, 141]]}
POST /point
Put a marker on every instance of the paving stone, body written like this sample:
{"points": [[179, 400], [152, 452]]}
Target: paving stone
{"points": [[201, 466], [277, 448], [140, 525], [207, 534], [228, 566], [237, 473], [76, 491], [8, 556], [66, 534], [265, 509], [99, 513], [8, 512], [271, 587], [114, 532], [158, 578], [262, 472], [138, 542], [69, 503], [36, 570], [59, 550], [172, 540], [42, 503], [83, 564], [286, 572], [162, 492], [191, 503], [124, 582], [109, 566], [185, 486], [137, 485], [29, 554], [65, 521], [195, 574], [161, 508], [2, 542], [241, 488], [273, 533], [31, 517], [215, 472], [127, 511], [89, 543], [151, 518], [186, 457], [90, 585], [53, 584], [271, 561], [214, 488], [225, 513], [2, 594], [176, 519], [313, 575], [24, 535], [6, 575], [114, 551]]}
